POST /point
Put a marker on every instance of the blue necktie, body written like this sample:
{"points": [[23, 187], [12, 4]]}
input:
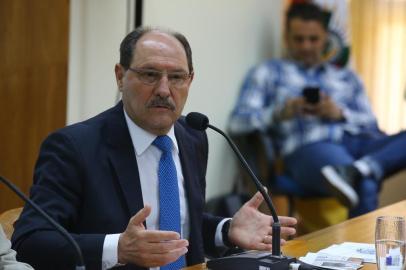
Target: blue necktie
{"points": [[169, 206]]}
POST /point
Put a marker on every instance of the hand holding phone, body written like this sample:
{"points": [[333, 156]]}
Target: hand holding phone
{"points": [[311, 94]]}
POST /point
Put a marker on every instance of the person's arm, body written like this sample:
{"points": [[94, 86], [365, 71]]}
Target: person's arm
{"points": [[58, 190], [211, 230], [110, 248], [357, 110], [256, 102]]}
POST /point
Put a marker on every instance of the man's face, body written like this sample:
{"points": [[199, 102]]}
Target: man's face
{"points": [[154, 106], [306, 40]]}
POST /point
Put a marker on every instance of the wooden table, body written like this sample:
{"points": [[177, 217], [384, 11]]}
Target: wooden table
{"points": [[360, 229]]}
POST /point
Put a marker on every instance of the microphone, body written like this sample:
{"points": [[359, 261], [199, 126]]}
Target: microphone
{"points": [[59, 228], [200, 122]]}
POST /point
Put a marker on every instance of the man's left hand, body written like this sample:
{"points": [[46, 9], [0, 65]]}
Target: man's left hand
{"points": [[250, 229], [328, 109]]}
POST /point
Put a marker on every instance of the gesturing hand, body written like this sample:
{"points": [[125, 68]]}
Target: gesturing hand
{"points": [[251, 229], [149, 248]]}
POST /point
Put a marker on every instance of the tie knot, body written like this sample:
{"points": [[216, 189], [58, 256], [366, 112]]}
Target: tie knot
{"points": [[164, 143]]}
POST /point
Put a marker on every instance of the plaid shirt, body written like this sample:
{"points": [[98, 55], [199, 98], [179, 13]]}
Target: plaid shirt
{"points": [[268, 86]]}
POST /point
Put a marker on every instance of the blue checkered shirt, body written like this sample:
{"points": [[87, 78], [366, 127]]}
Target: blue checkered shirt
{"points": [[268, 86]]}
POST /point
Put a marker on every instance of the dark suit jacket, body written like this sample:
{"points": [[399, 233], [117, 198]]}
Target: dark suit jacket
{"points": [[86, 178]]}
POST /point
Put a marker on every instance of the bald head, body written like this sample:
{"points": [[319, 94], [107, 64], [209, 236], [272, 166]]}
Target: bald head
{"points": [[130, 41]]}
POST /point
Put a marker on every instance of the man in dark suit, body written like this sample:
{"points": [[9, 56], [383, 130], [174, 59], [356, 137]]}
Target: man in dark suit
{"points": [[106, 180]]}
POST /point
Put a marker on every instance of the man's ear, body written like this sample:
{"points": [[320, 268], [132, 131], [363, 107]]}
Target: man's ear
{"points": [[191, 78], [119, 71]]}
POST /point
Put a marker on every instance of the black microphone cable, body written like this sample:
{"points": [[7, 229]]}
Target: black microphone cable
{"points": [[59, 228]]}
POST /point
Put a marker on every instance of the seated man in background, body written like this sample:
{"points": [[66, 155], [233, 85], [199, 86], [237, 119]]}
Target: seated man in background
{"points": [[320, 115], [8, 256], [129, 184]]}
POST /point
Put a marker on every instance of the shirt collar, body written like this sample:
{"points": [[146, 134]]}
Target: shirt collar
{"points": [[316, 68], [142, 139]]}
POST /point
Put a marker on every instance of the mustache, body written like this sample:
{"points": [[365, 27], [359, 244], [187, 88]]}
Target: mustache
{"points": [[161, 102]]}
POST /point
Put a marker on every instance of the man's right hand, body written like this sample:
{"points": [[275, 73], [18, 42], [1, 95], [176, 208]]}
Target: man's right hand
{"points": [[149, 248], [293, 107], [325, 109]]}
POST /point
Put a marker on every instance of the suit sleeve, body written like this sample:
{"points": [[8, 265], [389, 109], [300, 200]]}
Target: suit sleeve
{"points": [[58, 190]]}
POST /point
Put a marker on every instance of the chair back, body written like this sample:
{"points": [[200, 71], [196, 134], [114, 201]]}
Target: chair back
{"points": [[7, 220]]}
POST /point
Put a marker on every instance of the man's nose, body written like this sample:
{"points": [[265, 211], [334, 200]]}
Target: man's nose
{"points": [[162, 86], [306, 44]]}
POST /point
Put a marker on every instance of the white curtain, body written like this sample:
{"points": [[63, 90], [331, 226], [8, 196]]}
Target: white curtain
{"points": [[379, 55]]}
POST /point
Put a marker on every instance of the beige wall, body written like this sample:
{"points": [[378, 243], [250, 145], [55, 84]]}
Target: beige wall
{"points": [[96, 29]]}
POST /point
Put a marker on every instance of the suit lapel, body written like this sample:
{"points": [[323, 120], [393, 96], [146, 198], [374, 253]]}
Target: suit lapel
{"points": [[187, 156], [186, 159], [122, 157]]}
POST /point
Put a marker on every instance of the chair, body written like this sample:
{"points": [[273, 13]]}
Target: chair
{"points": [[316, 212], [7, 220]]}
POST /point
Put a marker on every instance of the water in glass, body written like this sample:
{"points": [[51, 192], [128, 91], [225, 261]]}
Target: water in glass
{"points": [[390, 242]]}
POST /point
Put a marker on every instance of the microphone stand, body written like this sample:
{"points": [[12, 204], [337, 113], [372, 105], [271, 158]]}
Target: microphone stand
{"points": [[253, 259], [276, 226], [59, 228]]}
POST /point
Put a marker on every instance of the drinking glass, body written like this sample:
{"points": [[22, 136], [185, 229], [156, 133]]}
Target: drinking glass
{"points": [[390, 237]]}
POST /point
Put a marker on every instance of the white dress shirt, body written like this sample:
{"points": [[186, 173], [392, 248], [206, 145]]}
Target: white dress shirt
{"points": [[148, 157]]}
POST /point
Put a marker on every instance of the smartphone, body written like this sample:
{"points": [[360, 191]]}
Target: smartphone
{"points": [[311, 94]]}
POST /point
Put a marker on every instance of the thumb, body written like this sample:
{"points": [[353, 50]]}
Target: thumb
{"points": [[256, 200], [141, 216]]}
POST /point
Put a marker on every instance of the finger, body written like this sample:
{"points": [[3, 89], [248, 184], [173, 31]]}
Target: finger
{"points": [[261, 246], [286, 231], [267, 239], [283, 241], [165, 247], [164, 259], [256, 200], [287, 221], [141, 216], [267, 244], [155, 236], [324, 96]]}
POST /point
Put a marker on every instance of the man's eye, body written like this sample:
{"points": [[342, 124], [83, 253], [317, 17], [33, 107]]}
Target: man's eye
{"points": [[176, 76], [150, 74], [314, 38]]}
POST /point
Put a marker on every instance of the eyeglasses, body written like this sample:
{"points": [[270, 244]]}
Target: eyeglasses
{"points": [[152, 76]]}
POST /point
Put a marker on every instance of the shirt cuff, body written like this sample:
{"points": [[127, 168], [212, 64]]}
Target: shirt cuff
{"points": [[218, 239], [110, 249]]}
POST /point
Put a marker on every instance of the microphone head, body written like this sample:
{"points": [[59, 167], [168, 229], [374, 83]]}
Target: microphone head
{"points": [[197, 120]]}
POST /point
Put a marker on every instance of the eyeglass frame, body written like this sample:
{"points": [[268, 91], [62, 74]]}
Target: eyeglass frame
{"points": [[186, 76]]}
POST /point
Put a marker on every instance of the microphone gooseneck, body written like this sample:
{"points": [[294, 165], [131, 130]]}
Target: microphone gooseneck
{"points": [[59, 228], [201, 122]]}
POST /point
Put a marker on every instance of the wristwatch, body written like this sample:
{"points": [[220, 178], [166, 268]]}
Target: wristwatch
{"points": [[224, 234]]}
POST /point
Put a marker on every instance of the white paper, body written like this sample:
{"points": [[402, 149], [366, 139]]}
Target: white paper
{"points": [[332, 262], [364, 251]]}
